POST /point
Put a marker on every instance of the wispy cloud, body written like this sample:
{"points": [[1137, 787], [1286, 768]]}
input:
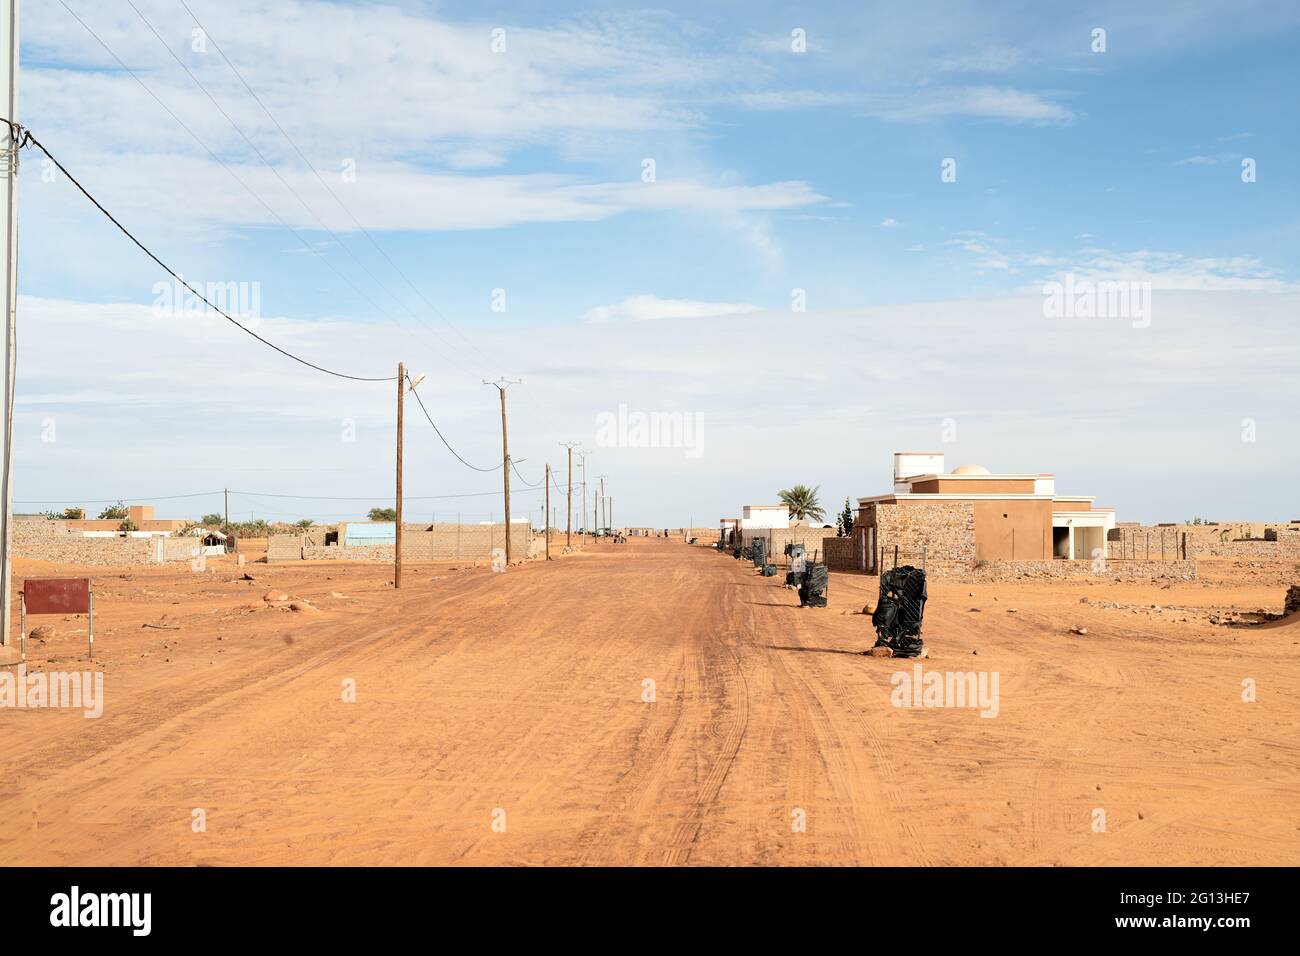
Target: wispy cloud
{"points": [[986, 102], [647, 308]]}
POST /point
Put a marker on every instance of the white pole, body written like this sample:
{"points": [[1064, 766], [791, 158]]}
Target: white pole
{"points": [[9, 256]]}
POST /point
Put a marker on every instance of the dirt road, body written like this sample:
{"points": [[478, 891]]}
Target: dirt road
{"points": [[648, 703]]}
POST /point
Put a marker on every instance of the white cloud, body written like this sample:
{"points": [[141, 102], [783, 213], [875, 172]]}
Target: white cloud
{"points": [[987, 102], [644, 308], [889, 222], [1173, 271], [130, 424]]}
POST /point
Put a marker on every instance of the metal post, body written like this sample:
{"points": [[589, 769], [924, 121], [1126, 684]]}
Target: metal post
{"points": [[92, 625]]}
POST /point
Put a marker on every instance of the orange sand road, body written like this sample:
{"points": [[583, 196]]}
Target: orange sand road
{"points": [[522, 692]]}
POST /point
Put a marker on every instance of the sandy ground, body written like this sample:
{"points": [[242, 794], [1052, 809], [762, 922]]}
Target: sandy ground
{"points": [[500, 719]]}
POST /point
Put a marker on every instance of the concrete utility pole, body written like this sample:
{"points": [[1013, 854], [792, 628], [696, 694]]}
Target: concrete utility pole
{"points": [[501, 385], [568, 524], [546, 514], [397, 543], [9, 200], [227, 490]]}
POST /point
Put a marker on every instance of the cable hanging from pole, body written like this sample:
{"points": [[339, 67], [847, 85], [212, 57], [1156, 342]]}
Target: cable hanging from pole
{"points": [[23, 137], [420, 402], [515, 468]]}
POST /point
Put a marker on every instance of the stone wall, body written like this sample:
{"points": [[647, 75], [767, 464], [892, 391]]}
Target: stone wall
{"points": [[940, 531], [1068, 570], [440, 542], [45, 540], [778, 538], [1280, 542], [842, 553]]}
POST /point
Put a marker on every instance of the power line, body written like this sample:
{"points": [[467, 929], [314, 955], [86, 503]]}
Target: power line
{"points": [[515, 469], [420, 402], [217, 159], [24, 137], [250, 494], [267, 163], [207, 34], [113, 501]]}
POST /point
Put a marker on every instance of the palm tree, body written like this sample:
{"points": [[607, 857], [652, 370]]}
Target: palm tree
{"points": [[802, 502]]}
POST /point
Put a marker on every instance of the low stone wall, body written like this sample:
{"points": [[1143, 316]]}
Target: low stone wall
{"points": [[1067, 570], [842, 553], [44, 540], [1219, 541], [432, 543], [777, 538]]}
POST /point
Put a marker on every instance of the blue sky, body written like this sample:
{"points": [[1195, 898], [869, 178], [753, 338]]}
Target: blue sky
{"points": [[775, 170]]}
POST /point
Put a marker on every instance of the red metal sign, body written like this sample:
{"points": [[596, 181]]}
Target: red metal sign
{"points": [[57, 595]]}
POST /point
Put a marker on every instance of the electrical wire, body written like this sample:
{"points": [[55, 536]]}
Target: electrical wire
{"points": [[251, 494], [249, 189], [268, 164], [289, 139], [420, 402], [530, 484], [23, 137]]}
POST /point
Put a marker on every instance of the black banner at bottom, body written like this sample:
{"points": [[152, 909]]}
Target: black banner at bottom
{"points": [[216, 905]]}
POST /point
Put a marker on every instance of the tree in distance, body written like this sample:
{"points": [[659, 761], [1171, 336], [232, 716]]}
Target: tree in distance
{"points": [[802, 502]]}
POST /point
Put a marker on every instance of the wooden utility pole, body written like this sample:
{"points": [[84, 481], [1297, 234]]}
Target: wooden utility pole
{"points": [[501, 385], [568, 523], [598, 506], [582, 463], [227, 510], [9, 287], [547, 513], [397, 546]]}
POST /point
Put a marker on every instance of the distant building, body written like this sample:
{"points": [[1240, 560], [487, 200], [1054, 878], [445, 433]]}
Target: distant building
{"points": [[765, 516], [140, 515], [971, 514]]}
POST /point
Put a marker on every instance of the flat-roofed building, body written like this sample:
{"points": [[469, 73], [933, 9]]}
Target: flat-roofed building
{"points": [[972, 514]]}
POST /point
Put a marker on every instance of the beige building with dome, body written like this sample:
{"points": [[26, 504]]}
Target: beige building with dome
{"points": [[972, 514]]}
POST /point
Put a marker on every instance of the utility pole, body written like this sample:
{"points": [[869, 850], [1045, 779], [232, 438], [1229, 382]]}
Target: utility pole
{"points": [[546, 514], [9, 200], [600, 501], [582, 463], [227, 510], [397, 544], [568, 525], [501, 385], [611, 511]]}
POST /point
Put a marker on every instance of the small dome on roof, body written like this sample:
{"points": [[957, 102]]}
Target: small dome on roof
{"points": [[971, 470]]}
